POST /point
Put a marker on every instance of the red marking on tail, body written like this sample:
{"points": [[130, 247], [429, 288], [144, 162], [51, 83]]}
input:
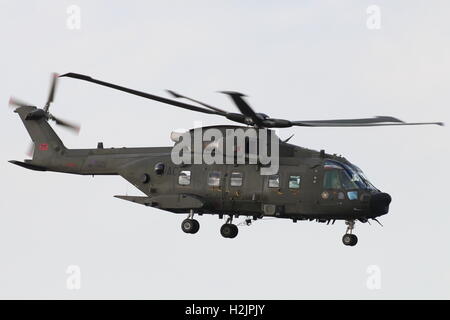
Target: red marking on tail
{"points": [[43, 147]]}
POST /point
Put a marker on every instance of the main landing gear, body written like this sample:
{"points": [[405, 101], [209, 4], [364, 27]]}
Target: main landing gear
{"points": [[229, 230], [190, 225], [350, 239]]}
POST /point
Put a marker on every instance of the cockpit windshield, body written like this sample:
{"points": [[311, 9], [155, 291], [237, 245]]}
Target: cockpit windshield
{"points": [[363, 178], [346, 176]]}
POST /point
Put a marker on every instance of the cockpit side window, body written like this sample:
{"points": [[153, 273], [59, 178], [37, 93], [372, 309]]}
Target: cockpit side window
{"points": [[346, 181], [331, 179]]}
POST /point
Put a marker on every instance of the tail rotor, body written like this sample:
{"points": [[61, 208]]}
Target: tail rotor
{"points": [[44, 112]]}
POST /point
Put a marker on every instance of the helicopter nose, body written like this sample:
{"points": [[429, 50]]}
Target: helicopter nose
{"points": [[379, 203]]}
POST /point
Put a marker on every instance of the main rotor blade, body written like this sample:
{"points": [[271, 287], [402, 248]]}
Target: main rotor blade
{"points": [[362, 122], [140, 93], [378, 119], [244, 107], [365, 122], [51, 93], [177, 95]]}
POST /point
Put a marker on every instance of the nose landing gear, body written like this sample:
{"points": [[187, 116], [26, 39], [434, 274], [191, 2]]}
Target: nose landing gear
{"points": [[350, 239]]}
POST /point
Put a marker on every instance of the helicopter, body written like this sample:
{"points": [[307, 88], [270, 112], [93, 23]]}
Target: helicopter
{"points": [[304, 185]]}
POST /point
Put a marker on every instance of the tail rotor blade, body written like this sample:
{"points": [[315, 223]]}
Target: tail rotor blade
{"points": [[30, 149], [74, 127], [51, 93], [14, 102]]}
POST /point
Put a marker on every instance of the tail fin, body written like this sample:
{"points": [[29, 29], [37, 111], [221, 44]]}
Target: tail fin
{"points": [[46, 141]]}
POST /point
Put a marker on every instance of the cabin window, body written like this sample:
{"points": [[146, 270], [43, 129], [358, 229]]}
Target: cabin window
{"points": [[214, 179], [236, 179], [159, 168], [294, 182], [274, 181], [184, 178]]}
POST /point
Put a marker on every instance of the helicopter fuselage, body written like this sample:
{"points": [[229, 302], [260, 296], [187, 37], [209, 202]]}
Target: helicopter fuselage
{"points": [[308, 184]]}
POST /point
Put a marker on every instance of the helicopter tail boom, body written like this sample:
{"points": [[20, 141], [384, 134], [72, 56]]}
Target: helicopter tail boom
{"points": [[50, 154]]}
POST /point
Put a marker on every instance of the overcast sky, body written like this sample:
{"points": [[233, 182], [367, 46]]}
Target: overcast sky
{"points": [[294, 59]]}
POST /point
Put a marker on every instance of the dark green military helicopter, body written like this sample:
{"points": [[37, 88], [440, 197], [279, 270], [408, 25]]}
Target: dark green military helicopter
{"points": [[307, 185]]}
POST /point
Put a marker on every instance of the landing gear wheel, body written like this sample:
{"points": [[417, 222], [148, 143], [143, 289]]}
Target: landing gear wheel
{"points": [[350, 239], [229, 230], [190, 226]]}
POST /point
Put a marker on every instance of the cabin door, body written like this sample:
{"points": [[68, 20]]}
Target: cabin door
{"points": [[242, 190]]}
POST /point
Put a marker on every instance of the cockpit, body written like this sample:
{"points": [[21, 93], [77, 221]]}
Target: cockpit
{"points": [[338, 175], [346, 181]]}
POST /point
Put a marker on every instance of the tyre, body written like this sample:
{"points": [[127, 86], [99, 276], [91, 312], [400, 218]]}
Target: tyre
{"points": [[234, 231], [347, 239], [225, 230], [229, 230], [354, 240], [190, 226], [196, 226]]}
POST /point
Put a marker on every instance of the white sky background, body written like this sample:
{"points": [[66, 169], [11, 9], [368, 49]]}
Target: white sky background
{"points": [[314, 60]]}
